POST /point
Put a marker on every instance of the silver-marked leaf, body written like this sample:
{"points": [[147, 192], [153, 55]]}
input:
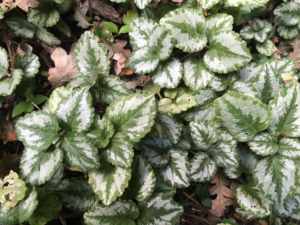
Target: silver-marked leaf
{"points": [[90, 56], [275, 176], [222, 81], [101, 131], [119, 212], [8, 84], [247, 159], [43, 16], [248, 215], [132, 115], [169, 126], [47, 37], [247, 32], [261, 29], [57, 96], [159, 209], [55, 179], [155, 149], [249, 71], [203, 134], [20, 27], [76, 194], [112, 87], [186, 26], [285, 108], [196, 75], [246, 88], [119, 151], [109, 182], [79, 152], [288, 13], [168, 73], [182, 145], [296, 214], [288, 32], [246, 2], [287, 208], [141, 3], [177, 171], [75, 111], [224, 55], [217, 23], [266, 48], [243, 116], [38, 167], [252, 200], [285, 67], [264, 144], [28, 63], [162, 187], [232, 172], [142, 184], [8, 217], [63, 27], [37, 130], [202, 168], [80, 81], [27, 206], [3, 62], [203, 110], [289, 147], [205, 4]]}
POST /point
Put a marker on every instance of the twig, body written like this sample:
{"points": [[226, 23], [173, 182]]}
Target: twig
{"points": [[197, 217], [159, 94], [188, 55], [13, 7], [191, 198], [186, 221], [34, 104], [60, 80]]}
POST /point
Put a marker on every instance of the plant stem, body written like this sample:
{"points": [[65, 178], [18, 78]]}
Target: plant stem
{"points": [[188, 55], [207, 47], [8, 47], [34, 104], [13, 7], [159, 95], [197, 217]]}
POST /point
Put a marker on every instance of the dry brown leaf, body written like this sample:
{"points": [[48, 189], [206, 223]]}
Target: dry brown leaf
{"points": [[295, 54], [225, 194], [261, 222], [25, 4], [9, 162], [126, 71], [239, 217], [136, 81], [63, 63], [7, 4], [7, 129]]}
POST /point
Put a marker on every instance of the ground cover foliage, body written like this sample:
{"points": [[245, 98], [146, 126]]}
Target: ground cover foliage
{"points": [[149, 112]]}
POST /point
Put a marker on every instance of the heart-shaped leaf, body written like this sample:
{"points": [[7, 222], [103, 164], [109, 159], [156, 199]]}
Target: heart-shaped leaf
{"points": [[286, 209], [217, 22], [202, 168], [8, 84], [20, 27], [288, 13], [289, 147], [263, 144], [28, 63]]}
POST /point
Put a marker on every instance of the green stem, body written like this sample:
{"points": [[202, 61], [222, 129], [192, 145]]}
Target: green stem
{"points": [[61, 136], [188, 55], [159, 95], [207, 47], [13, 7], [34, 104]]}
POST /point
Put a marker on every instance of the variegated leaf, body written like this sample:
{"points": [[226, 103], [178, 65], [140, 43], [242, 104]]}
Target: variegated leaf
{"points": [[202, 168], [243, 116], [217, 23], [224, 55], [90, 56], [119, 151], [203, 134], [109, 182], [266, 48], [80, 81], [182, 145], [3, 62], [288, 32], [177, 171], [28, 63], [285, 67], [119, 212], [159, 209], [37, 130], [27, 206], [208, 3], [247, 32], [246, 2], [287, 208], [261, 29], [55, 179], [8, 84], [101, 131], [79, 152], [132, 115], [112, 87], [168, 73], [38, 167], [264, 144], [222, 81], [169, 126], [275, 176], [141, 3], [289, 147], [57, 96], [249, 71], [248, 215], [76, 194], [246, 88], [252, 200], [187, 27], [288, 13], [285, 109], [196, 75], [232, 172], [203, 110], [155, 149], [143, 180], [162, 187], [8, 217], [296, 214], [247, 159], [75, 111]]}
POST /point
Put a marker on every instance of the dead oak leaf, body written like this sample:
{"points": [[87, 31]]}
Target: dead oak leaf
{"points": [[7, 4], [25, 4], [7, 129]]}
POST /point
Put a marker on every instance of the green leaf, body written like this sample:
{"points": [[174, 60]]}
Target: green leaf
{"points": [[225, 56], [8, 84], [168, 73], [151, 88], [263, 144], [232, 172], [267, 48], [75, 111], [130, 15], [149, 13], [177, 171], [28, 63], [132, 115], [159, 209], [247, 32], [285, 109], [20, 27], [37, 130], [205, 4], [202, 168], [142, 184], [38, 99], [63, 27], [162, 187], [20, 108], [142, 3], [287, 208], [112, 27], [76, 194], [203, 134], [119, 212], [187, 27], [47, 208], [3, 62], [248, 215], [12, 190], [222, 81], [261, 28], [217, 23], [90, 56], [109, 182], [289, 147], [243, 116], [245, 2], [57, 96], [288, 13], [55, 179], [63, 6], [45, 36], [288, 32], [252, 200], [38, 167], [124, 29], [1, 14], [112, 87], [8, 217], [247, 159], [182, 103], [79, 152], [275, 176], [43, 16], [249, 71], [196, 75], [80, 81], [246, 88], [27, 206]]}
